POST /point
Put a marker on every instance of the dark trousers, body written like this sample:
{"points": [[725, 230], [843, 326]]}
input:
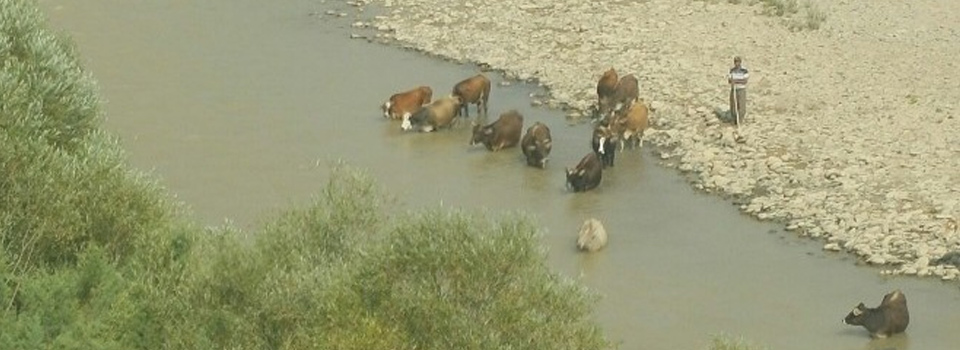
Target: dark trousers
{"points": [[738, 102]]}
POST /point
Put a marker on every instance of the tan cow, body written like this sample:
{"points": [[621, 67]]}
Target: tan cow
{"points": [[592, 237], [630, 126], [437, 114], [476, 90], [401, 105]]}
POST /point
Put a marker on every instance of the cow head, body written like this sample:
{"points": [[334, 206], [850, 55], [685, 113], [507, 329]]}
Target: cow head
{"points": [[541, 152], [406, 124], [857, 315], [385, 107], [604, 138], [481, 134], [416, 118]]}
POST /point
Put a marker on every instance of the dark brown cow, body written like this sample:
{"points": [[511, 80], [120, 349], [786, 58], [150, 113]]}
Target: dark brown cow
{"points": [[606, 86], [604, 144], [503, 133], [631, 125], [586, 175], [627, 91], [437, 114], [536, 145], [476, 90], [889, 318], [406, 103]]}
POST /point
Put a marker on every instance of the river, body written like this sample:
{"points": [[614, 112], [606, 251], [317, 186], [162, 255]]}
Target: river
{"points": [[241, 106]]}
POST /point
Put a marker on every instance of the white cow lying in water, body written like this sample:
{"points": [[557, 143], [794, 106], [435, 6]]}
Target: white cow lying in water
{"points": [[593, 236]]}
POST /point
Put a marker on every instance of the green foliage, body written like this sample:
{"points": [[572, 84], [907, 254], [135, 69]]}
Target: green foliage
{"points": [[469, 271], [44, 94], [349, 210], [63, 184]]}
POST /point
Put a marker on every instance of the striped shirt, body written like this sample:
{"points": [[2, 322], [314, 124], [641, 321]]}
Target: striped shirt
{"points": [[739, 77]]}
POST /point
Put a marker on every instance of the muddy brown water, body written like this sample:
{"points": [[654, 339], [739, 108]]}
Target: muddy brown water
{"points": [[240, 106]]}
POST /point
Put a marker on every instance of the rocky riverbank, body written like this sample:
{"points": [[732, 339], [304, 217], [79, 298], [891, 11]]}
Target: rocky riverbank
{"points": [[851, 134]]}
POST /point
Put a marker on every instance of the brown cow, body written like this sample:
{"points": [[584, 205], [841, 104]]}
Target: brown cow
{"points": [[889, 318], [476, 90], [606, 86], [406, 103], [503, 133], [586, 175], [437, 114], [536, 145], [631, 125], [627, 91]]}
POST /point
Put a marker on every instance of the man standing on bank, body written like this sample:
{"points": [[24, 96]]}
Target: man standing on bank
{"points": [[738, 89]]}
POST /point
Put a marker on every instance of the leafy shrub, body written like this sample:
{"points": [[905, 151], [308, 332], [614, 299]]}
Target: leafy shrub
{"points": [[44, 94]]}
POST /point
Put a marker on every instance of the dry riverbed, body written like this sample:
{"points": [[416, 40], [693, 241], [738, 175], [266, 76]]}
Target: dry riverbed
{"points": [[851, 133]]}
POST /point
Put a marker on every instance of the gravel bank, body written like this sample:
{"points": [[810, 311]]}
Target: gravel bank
{"points": [[852, 132]]}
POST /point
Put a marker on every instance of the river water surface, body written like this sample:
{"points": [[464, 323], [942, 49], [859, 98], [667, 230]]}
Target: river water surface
{"points": [[240, 107]]}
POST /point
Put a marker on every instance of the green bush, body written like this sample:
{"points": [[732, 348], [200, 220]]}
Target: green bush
{"points": [[44, 94], [485, 278]]}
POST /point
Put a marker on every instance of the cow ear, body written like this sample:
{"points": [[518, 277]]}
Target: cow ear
{"points": [[488, 131], [581, 172], [857, 311]]}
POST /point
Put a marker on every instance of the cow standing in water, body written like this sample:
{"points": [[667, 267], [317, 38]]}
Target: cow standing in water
{"points": [[536, 145], [437, 114], [604, 144], [631, 125], [476, 90], [402, 105], [503, 133], [889, 318], [586, 175]]}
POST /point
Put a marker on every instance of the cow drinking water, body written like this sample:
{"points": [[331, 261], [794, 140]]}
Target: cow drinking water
{"points": [[403, 104], [889, 318], [586, 175], [437, 114], [503, 133], [536, 145]]}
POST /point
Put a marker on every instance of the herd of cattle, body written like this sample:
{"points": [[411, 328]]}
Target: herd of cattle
{"points": [[621, 118]]}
